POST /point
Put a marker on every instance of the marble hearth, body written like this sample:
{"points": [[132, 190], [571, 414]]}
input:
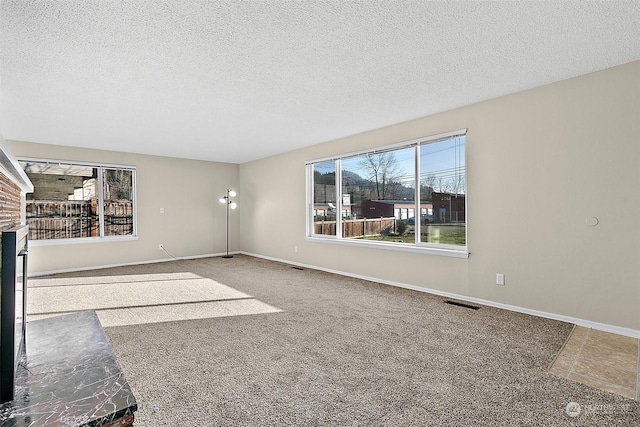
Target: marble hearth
{"points": [[69, 377]]}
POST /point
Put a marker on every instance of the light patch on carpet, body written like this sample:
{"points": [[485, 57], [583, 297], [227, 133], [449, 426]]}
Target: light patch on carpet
{"points": [[37, 282], [139, 299], [177, 312], [62, 299]]}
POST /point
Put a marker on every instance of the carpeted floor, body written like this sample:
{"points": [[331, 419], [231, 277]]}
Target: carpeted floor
{"points": [[347, 352]]}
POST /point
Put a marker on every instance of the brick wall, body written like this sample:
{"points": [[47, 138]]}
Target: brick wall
{"points": [[9, 203]]}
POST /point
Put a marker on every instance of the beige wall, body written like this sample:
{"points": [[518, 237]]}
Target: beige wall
{"points": [[193, 224], [539, 163]]}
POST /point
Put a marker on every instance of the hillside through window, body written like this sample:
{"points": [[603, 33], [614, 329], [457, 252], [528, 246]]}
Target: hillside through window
{"points": [[408, 194]]}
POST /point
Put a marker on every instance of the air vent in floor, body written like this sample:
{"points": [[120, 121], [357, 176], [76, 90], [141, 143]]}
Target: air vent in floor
{"points": [[460, 304]]}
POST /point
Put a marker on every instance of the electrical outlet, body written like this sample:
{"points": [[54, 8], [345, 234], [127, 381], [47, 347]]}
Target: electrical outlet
{"points": [[500, 279], [295, 249], [161, 247]]}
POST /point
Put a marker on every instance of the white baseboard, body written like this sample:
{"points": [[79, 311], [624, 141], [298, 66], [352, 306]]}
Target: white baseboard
{"points": [[577, 321]]}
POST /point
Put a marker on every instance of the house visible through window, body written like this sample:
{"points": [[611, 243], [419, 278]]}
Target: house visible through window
{"points": [[324, 198], [412, 193], [73, 200]]}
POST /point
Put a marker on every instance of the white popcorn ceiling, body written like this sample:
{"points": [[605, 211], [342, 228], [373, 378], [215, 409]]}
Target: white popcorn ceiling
{"points": [[235, 81]]}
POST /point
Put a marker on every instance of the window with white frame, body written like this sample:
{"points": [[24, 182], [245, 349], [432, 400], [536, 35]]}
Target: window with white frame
{"points": [[79, 200], [379, 192]]}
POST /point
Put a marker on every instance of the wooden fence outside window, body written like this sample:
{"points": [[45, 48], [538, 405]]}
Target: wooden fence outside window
{"points": [[68, 219], [364, 227]]}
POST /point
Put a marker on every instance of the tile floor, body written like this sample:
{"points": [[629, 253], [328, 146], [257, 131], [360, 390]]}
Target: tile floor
{"points": [[601, 360]]}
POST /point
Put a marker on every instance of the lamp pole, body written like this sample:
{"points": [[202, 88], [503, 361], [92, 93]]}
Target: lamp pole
{"points": [[230, 204]]}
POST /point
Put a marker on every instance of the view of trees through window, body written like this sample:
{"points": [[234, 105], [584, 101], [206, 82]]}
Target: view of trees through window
{"points": [[324, 198], [408, 195], [66, 201], [118, 202]]}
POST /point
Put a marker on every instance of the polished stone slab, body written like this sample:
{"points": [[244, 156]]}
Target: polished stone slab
{"points": [[601, 360], [69, 377]]}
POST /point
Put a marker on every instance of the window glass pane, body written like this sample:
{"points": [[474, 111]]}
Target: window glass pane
{"points": [[118, 202], [63, 204], [379, 196], [442, 192], [324, 198], [65, 201]]}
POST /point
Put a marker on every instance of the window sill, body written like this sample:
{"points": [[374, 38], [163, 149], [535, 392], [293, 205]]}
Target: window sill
{"points": [[81, 240], [428, 250]]}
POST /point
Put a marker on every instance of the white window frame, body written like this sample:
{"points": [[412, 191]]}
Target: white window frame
{"points": [[101, 168], [457, 251]]}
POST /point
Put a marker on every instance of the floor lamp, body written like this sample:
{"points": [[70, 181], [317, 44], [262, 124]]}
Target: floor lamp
{"points": [[230, 204]]}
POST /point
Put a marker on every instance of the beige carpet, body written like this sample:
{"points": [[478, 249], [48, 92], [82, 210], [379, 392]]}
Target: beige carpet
{"points": [[346, 352]]}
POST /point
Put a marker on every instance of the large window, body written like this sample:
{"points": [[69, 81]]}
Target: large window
{"points": [[408, 195], [74, 200]]}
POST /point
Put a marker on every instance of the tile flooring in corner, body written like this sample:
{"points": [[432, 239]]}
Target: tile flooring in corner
{"points": [[601, 360]]}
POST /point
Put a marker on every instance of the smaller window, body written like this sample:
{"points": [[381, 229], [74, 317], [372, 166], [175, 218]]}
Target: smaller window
{"points": [[74, 201], [324, 199], [443, 187], [118, 202]]}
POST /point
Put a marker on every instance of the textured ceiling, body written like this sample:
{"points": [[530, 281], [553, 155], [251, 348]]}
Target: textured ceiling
{"points": [[235, 81]]}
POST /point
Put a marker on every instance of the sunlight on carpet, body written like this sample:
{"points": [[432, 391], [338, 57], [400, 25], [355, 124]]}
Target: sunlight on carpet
{"points": [[140, 299]]}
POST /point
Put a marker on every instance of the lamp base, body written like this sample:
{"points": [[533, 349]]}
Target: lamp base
{"points": [[227, 256]]}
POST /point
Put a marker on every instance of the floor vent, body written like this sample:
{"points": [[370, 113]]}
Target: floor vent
{"points": [[460, 304], [297, 268]]}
